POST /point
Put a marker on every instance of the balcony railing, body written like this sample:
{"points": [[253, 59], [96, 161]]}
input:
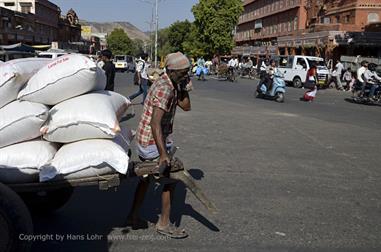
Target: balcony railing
{"points": [[248, 17]]}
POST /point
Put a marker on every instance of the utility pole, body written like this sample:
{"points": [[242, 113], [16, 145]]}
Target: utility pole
{"points": [[156, 6], [151, 37], [157, 26]]}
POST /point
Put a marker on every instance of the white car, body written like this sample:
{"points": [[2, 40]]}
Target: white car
{"points": [[50, 55], [295, 68], [120, 62]]}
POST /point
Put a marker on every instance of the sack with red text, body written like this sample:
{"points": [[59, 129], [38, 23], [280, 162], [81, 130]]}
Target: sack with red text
{"points": [[64, 78], [14, 74], [94, 115]]}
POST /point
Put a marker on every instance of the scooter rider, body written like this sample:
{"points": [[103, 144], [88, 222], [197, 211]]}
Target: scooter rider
{"points": [[232, 65], [271, 70], [372, 78], [246, 67], [360, 72]]}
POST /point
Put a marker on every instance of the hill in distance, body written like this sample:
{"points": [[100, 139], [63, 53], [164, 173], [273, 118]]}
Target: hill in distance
{"points": [[107, 27]]}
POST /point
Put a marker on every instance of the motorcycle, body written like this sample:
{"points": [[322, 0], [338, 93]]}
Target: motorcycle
{"points": [[231, 74], [249, 73], [277, 91], [363, 97]]}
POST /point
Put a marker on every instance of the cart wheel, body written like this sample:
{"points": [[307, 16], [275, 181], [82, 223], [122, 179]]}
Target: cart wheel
{"points": [[47, 201], [15, 221]]}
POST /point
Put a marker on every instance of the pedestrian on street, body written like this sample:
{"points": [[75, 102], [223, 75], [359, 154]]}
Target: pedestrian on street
{"points": [[311, 81], [109, 69], [141, 77], [339, 74], [349, 78], [200, 68], [360, 76], [156, 124]]}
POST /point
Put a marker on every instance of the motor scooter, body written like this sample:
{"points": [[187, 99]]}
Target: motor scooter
{"points": [[361, 96], [277, 91]]}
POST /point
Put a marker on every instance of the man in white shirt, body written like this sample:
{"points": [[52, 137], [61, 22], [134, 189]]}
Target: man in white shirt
{"points": [[142, 77], [232, 65], [360, 72], [339, 73], [233, 62], [372, 78]]}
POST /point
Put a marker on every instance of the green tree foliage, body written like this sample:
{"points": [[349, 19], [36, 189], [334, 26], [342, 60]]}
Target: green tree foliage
{"points": [[193, 46], [215, 21], [137, 47], [178, 33], [119, 42], [164, 46]]}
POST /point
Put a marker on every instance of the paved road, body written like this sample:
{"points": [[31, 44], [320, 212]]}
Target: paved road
{"points": [[285, 177]]}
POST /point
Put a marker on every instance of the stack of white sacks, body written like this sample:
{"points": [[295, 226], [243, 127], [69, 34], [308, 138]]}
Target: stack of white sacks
{"points": [[57, 122]]}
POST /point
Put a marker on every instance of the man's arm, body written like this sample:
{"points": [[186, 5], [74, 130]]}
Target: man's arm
{"points": [[157, 133], [368, 76], [183, 100], [376, 76]]}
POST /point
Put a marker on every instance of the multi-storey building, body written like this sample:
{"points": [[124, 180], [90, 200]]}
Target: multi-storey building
{"points": [[15, 27], [35, 22], [317, 27], [46, 15], [265, 20]]}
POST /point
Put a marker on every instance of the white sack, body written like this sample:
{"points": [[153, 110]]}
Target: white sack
{"points": [[21, 121], [99, 170], [66, 77], [124, 138], [20, 163], [14, 74], [77, 156], [94, 115]]}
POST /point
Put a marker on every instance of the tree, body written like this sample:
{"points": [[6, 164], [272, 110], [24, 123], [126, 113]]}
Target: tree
{"points": [[119, 42], [137, 47], [164, 46], [193, 46], [215, 21], [178, 33]]}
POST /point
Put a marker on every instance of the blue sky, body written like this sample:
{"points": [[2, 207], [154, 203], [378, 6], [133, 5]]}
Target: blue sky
{"points": [[137, 12]]}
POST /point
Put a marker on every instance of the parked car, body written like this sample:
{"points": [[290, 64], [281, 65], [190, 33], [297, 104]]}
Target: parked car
{"points": [[10, 55], [50, 55], [295, 69], [120, 62]]}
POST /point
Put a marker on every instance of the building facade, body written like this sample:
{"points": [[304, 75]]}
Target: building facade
{"points": [[35, 22], [312, 27]]}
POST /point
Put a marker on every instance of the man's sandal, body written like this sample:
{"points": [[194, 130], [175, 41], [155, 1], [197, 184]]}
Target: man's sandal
{"points": [[171, 231]]}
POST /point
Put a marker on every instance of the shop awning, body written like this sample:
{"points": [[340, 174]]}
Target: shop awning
{"points": [[17, 47]]}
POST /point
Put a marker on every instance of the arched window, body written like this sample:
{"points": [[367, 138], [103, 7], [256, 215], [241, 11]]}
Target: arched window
{"points": [[373, 17]]}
